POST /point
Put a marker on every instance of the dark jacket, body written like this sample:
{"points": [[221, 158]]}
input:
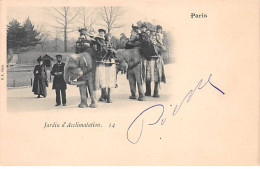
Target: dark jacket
{"points": [[58, 81], [100, 43], [144, 37]]}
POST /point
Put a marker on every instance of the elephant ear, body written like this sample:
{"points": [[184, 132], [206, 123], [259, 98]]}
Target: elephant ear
{"points": [[70, 69], [85, 61], [122, 55], [132, 56]]}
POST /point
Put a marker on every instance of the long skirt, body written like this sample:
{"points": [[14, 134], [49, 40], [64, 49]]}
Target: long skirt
{"points": [[39, 87], [105, 75], [154, 70]]}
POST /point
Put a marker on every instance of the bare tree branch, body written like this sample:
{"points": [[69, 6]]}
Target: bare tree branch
{"points": [[76, 14], [64, 17], [87, 18], [110, 15], [58, 12]]}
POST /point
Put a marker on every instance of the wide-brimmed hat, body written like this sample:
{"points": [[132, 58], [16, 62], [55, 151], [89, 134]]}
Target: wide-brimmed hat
{"points": [[107, 35], [102, 30], [39, 59], [143, 25], [91, 33], [82, 29], [58, 56], [158, 27], [134, 27]]}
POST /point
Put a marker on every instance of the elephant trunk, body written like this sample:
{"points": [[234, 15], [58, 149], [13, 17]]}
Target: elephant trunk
{"points": [[66, 77]]}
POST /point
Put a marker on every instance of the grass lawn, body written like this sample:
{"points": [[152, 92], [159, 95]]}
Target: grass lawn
{"points": [[18, 78]]}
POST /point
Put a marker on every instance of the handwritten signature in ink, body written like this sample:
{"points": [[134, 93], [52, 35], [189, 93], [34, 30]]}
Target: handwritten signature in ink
{"points": [[160, 119]]}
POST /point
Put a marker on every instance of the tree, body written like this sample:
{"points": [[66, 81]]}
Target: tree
{"points": [[64, 17], [31, 35], [56, 42], [115, 41], [87, 18], [15, 35], [44, 39], [110, 17]]}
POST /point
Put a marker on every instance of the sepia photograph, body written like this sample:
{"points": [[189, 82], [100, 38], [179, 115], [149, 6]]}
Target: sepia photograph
{"points": [[98, 50]]}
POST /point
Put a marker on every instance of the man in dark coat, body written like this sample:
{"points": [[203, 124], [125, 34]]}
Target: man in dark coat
{"points": [[40, 79], [58, 82]]}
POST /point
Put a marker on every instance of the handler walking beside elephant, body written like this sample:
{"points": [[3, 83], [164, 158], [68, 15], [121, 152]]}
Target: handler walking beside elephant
{"points": [[58, 82]]}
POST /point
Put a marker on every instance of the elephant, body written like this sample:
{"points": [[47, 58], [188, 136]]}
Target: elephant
{"points": [[83, 68], [131, 60], [141, 69]]}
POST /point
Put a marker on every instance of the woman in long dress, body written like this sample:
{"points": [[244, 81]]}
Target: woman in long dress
{"points": [[40, 79]]}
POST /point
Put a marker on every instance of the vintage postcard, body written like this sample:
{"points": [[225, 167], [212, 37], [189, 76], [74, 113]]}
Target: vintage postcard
{"points": [[119, 83]]}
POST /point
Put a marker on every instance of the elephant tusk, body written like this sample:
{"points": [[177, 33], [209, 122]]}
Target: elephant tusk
{"points": [[76, 82], [85, 61]]}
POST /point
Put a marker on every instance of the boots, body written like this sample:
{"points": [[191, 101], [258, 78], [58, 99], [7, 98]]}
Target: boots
{"points": [[148, 89], [156, 90]]}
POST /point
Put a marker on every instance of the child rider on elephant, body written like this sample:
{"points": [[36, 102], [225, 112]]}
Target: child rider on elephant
{"points": [[110, 48], [101, 45]]}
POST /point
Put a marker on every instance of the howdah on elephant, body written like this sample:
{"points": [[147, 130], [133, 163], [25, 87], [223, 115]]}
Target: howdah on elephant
{"points": [[82, 67]]}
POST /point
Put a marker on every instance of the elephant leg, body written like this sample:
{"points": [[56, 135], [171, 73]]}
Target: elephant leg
{"points": [[92, 93], [103, 96], [83, 97], [140, 88], [132, 83], [148, 88], [109, 90], [156, 90]]}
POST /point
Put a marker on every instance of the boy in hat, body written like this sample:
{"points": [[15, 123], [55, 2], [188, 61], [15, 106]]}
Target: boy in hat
{"points": [[134, 38], [59, 84], [100, 40], [83, 33], [143, 27], [143, 36], [153, 37], [159, 37], [110, 47], [153, 40], [82, 43]]}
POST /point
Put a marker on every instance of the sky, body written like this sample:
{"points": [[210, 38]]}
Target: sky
{"points": [[42, 19]]}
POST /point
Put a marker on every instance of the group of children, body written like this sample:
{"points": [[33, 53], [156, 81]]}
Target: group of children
{"points": [[106, 50], [101, 43], [148, 35]]}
